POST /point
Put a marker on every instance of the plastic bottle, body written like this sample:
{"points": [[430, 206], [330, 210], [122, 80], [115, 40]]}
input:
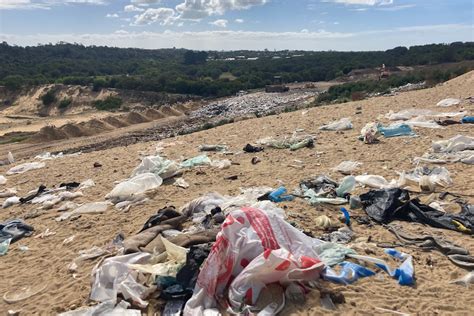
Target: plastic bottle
{"points": [[277, 195], [346, 186]]}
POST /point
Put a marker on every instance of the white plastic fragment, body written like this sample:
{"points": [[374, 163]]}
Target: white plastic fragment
{"points": [[11, 201], [88, 208], [448, 102], [129, 189], [10, 157], [343, 124], [3, 180], [346, 167], [26, 167]]}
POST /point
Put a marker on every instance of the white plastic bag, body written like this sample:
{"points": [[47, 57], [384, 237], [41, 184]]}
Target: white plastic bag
{"points": [[114, 277], [342, 124], [132, 187], [26, 167], [3, 180], [11, 201], [454, 144], [346, 167], [376, 181], [157, 165], [253, 249], [89, 208]]}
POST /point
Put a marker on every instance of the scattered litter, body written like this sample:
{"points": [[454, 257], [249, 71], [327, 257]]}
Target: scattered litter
{"points": [[3, 180], [221, 164], [347, 167], [278, 195], [10, 157], [341, 125], [397, 130], [88, 208], [24, 293], [180, 182], [45, 234], [448, 102], [11, 201], [213, 148], [255, 160], [157, 165], [9, 192], [69, 240], [466, 280], [293, 142], [195, 161], [252, 149], [129, 189], [26, 167]]}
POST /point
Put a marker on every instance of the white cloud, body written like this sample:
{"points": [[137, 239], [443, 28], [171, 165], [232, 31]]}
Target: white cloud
{"points": [[145, 2], [219, 23], [132, 8], [239, 21], [235, 40], [112, 15], [163, 16], [362, 2], [304, 31], [43, 4], [397, 7], [198, 9]]}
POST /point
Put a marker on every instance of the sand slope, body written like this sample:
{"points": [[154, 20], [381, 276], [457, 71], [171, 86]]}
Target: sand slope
{"points": [[47, 259]]}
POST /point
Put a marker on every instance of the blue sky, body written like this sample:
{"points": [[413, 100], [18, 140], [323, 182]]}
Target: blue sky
{"points": [[238, 24]]}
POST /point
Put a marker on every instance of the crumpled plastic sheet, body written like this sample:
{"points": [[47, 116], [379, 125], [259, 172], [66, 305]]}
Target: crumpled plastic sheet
{"points": [[157, 165], [376, 181], [434, 176], [351, 272], [200, 160], [105, 309], [448, 102], [454, 144], [115, 277], [341, 125], [26, 167], [129, 189], [294, 142], [175, 259], [253, 249], [347, 167], [88, 208], [456, 149]]}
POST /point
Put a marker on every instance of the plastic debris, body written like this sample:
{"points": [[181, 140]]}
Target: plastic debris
{"points": [[221, 164], [213, 148], [370, 133], [131, 188], [88, 208], [10, 157], [24, 293], [347, 167], [26, 167], [448, 102], [11, 201], [180, 182], [376, 181], [4, 246], [114, 277], [466, 280], [341, 125], [9, 192], [3, 180], [196, 161], [265, 255], [278, 195], [157, 165], [396, 130]]}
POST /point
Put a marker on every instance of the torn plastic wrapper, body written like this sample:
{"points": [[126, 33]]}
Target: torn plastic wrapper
{"points": [[250, 241]]}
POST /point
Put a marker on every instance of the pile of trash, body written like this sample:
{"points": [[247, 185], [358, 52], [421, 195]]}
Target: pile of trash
{"points": [[456, 149], [259, 102]]}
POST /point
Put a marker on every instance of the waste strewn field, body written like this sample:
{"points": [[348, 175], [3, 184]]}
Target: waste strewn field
{"points": [[39, 266]]}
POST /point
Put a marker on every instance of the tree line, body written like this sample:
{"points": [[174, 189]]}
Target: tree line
{"points": [[197, 72]]}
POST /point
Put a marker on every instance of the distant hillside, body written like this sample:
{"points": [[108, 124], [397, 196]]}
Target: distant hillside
{"points": [[200, 73]]}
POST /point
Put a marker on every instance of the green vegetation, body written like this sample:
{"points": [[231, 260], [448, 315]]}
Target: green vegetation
{"points": [[110, 103], [358, 90], [200, 73], [65, 103], [49, 97]]}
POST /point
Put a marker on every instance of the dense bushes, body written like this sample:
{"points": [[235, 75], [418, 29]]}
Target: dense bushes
{"points": [[49, 97], [108, 104]]}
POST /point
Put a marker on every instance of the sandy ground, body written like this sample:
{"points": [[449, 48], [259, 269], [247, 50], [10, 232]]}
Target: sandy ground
{"points": [[47, 259]]}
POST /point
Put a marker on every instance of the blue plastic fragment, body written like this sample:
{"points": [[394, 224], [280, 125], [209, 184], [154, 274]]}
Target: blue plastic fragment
{"points": [[277, 195]]}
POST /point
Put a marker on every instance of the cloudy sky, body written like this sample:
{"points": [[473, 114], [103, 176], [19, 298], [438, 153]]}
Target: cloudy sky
{"points": [[238, 24]]}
